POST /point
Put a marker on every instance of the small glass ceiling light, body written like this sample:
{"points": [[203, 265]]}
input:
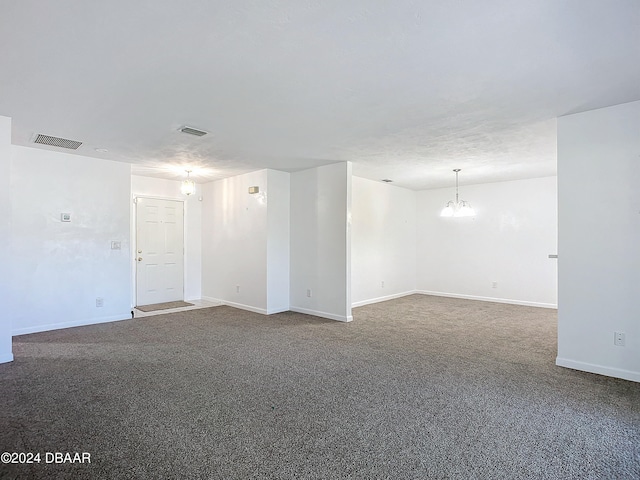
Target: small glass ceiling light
{"points": [[459, 208], [447, 211], [188, 186]]}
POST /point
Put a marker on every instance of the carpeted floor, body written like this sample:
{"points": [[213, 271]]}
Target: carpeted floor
{"points": [[419, 387]]}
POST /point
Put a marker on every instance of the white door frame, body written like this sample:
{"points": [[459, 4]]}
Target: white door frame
{"points": [[134, 243]]}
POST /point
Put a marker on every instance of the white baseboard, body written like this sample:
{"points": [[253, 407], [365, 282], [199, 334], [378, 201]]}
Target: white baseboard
{"points": [[599, 369], [488, 299], [75, 323], [316, 313], [271, 311], [210, 299], [6, 357], [242, 306], [249, 308], [383, 299]]}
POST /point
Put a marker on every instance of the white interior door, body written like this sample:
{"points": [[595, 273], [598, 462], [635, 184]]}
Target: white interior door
{"points": [[160, 251]]}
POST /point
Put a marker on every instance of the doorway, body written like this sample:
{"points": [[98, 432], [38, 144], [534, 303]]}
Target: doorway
{"points": [[159, 250]]}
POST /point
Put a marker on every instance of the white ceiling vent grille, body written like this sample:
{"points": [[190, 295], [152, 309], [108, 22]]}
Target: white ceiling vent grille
{"points": [[193, 131], [57, 142]]}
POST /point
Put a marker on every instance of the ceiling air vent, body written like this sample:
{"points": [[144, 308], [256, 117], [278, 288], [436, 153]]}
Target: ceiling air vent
{"points": [[193, 131], [57, 142]]}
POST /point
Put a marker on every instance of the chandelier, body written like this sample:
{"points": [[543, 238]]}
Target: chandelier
{"points": [[459, 208]]}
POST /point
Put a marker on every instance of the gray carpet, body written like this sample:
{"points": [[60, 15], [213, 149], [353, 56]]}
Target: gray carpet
{"points": [[419, 387]]}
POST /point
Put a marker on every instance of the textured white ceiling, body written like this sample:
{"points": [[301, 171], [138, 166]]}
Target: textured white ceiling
{"points": [[406, 90]]}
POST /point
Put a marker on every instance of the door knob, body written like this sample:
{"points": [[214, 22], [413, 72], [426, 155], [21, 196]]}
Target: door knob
{"points": [[139, 259], [139, 251]]}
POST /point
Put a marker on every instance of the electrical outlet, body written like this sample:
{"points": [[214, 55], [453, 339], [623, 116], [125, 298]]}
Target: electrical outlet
{"points": [[116, 246], [99, 302], [237, 288], [382, 284], [309, 292], [619, 339], [494, 284]]}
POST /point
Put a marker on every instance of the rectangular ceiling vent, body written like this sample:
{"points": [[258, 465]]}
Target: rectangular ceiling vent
{"points": [[57, 142], [193, 131]]}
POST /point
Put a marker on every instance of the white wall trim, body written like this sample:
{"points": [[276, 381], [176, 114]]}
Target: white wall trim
{"points": [[316, 313], [271, 311], [209, 299], [7, 357], [489, 299], [383, 299], [263, 311], [242, 306], [599, 369], [246, 307], [75, 323]]}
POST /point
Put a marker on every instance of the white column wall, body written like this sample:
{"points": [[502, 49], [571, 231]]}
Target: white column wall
{"points": [[320, 241], [383, 237], [234, 242], [599, 240], [6, 281], [278, 242]]}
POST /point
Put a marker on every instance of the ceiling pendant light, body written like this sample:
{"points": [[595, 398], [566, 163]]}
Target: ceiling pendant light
{"points": [[459, 208], [188, 186]]}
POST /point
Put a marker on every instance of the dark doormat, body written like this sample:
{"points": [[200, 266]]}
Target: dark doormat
{"points": [[163, 306]]}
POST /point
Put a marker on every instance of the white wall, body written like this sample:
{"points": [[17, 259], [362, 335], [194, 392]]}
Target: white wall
{"points": [[245, 242], [170, 189], [320, 241], [278, 243], [599, 240], [234, 242], [59, 269], [6, 290], [383, 239], [507, 242]]}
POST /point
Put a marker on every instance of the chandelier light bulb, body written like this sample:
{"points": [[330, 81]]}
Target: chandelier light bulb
{"points": [[188, 186], [448, 210]]}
